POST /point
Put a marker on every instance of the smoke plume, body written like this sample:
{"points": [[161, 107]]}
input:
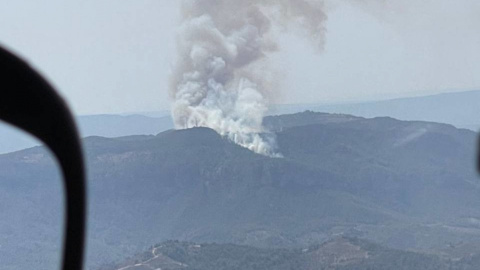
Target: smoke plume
{"points": [[221, 78]]}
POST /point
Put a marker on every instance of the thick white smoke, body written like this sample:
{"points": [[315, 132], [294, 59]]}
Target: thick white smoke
{"points": [[220, 80]]}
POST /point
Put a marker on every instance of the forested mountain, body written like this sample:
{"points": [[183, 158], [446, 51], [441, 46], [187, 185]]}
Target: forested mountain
{"points": [[404, 185]]}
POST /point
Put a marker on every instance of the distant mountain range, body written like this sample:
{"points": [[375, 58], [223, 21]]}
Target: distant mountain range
{"points": [[461, 109], [407, 185]]}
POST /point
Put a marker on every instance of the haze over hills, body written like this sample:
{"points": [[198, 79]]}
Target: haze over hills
{"points": [[91, 125], [123, 125], [404, 185], [460, 109]]}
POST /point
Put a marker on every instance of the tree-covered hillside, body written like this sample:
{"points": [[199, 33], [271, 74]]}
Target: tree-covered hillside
{"points": [[405, 185]]}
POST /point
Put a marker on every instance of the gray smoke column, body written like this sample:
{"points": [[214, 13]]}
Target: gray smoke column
{"points": [[221, 78]]}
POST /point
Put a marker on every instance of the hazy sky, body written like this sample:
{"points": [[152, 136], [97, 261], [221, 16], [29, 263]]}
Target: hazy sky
{"points": [[115, 56]]}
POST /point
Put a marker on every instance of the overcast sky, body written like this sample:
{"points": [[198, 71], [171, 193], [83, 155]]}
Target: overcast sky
{"points": [[115, 56]]}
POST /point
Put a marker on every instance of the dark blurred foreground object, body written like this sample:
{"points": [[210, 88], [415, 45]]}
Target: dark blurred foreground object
{"points": [[30, 103]]}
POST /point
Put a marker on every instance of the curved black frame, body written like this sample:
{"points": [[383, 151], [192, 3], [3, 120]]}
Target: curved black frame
{"points": [[30, 103]]}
